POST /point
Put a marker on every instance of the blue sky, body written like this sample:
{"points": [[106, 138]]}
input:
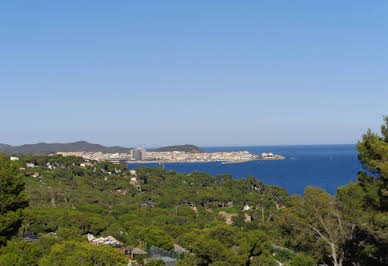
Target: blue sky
{"points": [[202, 72]]}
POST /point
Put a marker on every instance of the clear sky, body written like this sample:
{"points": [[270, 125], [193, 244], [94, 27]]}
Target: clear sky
{"points": [[201, 72]]}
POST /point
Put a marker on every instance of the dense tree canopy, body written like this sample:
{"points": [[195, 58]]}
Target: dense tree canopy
{"points": [[12, 198], [317, 220], [350, 228], [216, 220], [373, 154], [63, 249], [155, 207]]}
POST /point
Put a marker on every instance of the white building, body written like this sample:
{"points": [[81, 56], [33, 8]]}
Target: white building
{"points": [[140, 154], [247, 207], [267, 155]]}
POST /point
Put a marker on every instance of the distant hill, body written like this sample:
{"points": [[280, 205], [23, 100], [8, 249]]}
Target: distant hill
{"points": [[4, 146], [185, 148], [47, 148]]}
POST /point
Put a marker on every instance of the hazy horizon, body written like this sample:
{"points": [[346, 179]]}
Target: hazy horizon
{"points": [[151, 146]]}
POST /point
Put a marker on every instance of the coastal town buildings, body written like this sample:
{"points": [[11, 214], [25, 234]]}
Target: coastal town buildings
{"points": [[141, 155]]}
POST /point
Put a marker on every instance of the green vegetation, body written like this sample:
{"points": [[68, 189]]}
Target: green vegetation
{"points": [[154, 207], [186, 148], [219, 220], [49, 148], [350, 228], [57, 250], [12, 199]]}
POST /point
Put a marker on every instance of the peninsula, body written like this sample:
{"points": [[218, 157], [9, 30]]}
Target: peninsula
{"points": [[140, 155], [117, 154]]}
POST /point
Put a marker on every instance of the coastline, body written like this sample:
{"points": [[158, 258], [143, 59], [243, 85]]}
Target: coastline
{"points": [[223, 162], [245, 161]]}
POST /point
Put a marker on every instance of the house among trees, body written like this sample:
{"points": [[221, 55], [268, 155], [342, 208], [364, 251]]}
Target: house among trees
{"points": [[109, 240]]}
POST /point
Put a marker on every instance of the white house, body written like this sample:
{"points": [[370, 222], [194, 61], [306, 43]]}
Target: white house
{"points": [[247, 207]]}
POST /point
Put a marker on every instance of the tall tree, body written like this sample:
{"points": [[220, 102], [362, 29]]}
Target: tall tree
{"points": [[373, 154], [317, 222], [352, 226], [373, 180], [13, 199]]}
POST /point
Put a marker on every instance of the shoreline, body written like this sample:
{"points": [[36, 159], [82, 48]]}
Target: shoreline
{"points": [[223, 162]]}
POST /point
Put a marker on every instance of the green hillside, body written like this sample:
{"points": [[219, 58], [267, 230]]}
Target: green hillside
{"points": [[48, 148], [218, 220], [185, 148]]}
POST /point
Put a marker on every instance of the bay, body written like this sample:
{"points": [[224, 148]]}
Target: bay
{"points": [[325, 166]]}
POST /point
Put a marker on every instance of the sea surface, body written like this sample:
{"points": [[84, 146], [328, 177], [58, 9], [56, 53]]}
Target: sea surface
{"points": [[325, 166]]}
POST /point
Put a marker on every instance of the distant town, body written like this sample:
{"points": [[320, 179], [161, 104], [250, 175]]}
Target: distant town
{"points": [[117, 154], [140, 155]]}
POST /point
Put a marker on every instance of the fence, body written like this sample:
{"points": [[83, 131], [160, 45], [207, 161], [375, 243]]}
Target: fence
{"points": [[30, 238], [159, 252]]}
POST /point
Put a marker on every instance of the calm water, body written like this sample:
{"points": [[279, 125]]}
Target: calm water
{"points": [[325, 166]]}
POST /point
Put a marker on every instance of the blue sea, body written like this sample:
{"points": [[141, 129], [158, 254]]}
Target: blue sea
{"points": [[325, 166]]}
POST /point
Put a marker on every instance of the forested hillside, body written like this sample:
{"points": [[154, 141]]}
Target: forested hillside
{"points": [[217, 220], [184, 148], [49, 148]]}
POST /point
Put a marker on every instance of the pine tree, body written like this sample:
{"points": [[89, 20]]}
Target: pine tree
{"points": [[13, 199], [373, 155]]}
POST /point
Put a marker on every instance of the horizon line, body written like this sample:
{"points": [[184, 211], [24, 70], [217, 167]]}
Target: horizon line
{"points": [[151, 146]]}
